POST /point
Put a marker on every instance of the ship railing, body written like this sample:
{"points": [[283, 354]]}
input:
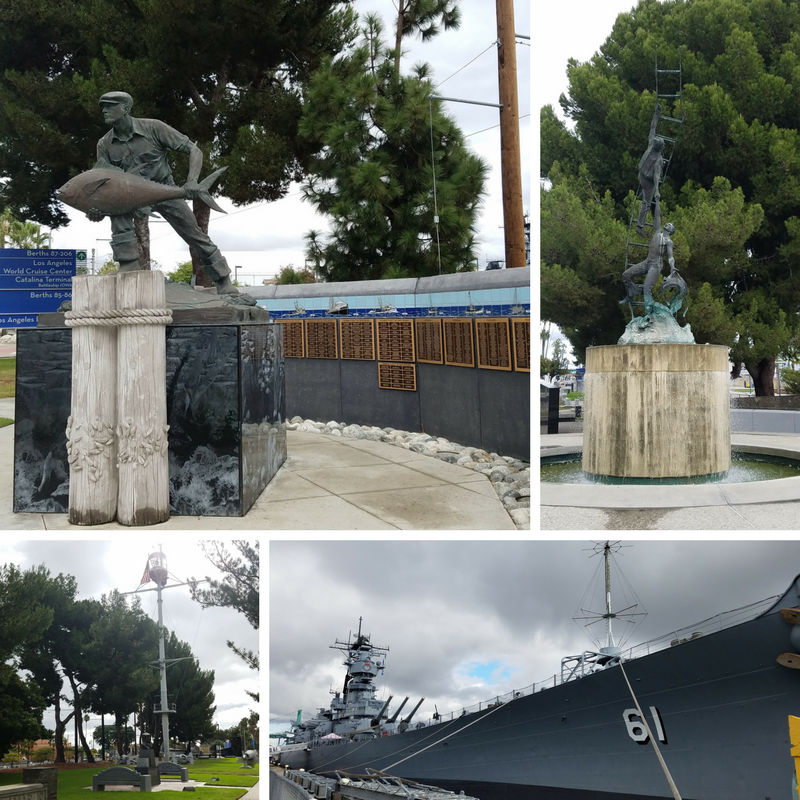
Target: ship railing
{"points": [[718, 622], [674, 638]]}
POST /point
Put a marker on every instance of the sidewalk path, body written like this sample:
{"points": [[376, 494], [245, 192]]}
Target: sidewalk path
{"points": [[326, 484]]}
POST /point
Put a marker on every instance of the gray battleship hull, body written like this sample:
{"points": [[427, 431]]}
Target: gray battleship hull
{"points": [[722, 702]]}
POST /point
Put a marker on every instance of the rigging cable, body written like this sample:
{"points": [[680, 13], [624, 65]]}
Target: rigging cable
{"points": [[496, 708], [490, 128]]}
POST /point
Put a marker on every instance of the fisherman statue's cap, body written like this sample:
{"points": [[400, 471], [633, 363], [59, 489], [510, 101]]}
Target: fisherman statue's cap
{"points": [[116, 97]]}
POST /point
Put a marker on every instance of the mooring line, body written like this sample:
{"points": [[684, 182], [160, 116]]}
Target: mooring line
{"points": [[672, 786]]}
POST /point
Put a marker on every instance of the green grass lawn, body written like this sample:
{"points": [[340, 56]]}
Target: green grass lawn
{"points": [[5, 421], [74, 784], [8, 372], [228, 770]]}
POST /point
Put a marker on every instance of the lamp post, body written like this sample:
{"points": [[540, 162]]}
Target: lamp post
{"points": [[94, 265]]}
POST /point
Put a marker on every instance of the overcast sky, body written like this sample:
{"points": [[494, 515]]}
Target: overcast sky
{"points": [[267, 236], [466, 621], [589, 23], [101, 566]]}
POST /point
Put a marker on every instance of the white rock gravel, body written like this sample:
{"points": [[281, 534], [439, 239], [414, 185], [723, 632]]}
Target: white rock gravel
{"points": [[510, 477]]}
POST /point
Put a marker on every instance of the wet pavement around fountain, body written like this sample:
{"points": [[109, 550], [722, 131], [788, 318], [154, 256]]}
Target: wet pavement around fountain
{"points": [[768, 506]]}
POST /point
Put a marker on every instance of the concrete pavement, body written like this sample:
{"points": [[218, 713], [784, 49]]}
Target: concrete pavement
{"points": [[188, 786], [326, 483]]}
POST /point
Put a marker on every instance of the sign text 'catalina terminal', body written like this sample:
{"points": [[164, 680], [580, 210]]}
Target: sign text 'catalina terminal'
{"points": [[33, 282]]}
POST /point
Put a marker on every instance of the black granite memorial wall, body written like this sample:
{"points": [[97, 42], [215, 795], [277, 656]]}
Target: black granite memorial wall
{"points": [[225, 410], [488, 408]]}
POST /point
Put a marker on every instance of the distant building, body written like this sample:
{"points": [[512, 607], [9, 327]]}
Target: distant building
{"points": [[527, 242]]}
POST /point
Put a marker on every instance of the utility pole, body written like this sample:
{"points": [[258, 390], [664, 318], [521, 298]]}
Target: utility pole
{"points": [[509, 136]]}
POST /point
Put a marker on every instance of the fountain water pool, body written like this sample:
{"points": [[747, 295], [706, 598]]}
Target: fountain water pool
{"points": [[669, 495], [745, 468]]}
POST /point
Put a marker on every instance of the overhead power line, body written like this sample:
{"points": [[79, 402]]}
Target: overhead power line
{"points": [[493, 44], [491, 127]]}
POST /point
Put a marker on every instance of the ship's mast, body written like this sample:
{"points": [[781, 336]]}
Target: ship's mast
{"points": [[608, 650], [162, 666], [609, 615]]}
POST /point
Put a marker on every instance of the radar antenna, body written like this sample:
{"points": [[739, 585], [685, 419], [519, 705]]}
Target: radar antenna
{"points": [[607, 654], [627, 614]]}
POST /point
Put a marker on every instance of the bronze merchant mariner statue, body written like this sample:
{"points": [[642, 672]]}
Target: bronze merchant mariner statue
{"points": [[139, 147]]}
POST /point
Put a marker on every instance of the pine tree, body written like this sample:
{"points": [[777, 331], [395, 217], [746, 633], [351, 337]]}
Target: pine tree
{"points": [[419, 18], [392, 162], [228, 75]]}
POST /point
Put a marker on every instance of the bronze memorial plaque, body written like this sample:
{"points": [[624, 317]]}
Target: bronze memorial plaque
{"points": [[458, 348], [321, 338]]}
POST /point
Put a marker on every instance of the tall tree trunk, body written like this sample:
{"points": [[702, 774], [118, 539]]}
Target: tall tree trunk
{"points": [[61, 727], [202, 214], [118, 732], [763, 375], [76, 703], [85, 744], [399, 36], [142, 227]]}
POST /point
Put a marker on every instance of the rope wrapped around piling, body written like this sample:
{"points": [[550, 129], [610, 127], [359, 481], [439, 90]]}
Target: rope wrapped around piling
{"points": [[119, 316]]}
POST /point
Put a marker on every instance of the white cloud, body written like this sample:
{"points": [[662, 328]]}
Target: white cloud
{"points": [[443, 607]]}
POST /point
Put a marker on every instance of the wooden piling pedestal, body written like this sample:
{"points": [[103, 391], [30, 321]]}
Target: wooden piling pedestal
{"points": [[92, 446], [117, 432], [143, 497]]}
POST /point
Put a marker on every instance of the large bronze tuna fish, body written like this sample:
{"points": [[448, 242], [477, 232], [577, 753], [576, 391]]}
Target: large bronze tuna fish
{"points": [[113, 191]]}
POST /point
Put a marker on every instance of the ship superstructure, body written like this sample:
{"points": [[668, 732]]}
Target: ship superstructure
{"points": [[355, 711]]}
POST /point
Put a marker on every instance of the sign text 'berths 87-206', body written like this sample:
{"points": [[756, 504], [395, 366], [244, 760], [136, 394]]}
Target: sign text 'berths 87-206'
{"points": [[37, 269]]}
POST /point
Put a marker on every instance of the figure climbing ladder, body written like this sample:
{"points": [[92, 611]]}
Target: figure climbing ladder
{"points": [[654, 164]]}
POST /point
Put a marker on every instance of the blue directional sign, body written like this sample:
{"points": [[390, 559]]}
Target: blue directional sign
{"points": [[38, 301], [33, 282], [18, 320], [37, 269]]}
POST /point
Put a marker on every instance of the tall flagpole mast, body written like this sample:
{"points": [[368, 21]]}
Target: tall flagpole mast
{"points": [[156, 571], [162, 666]]}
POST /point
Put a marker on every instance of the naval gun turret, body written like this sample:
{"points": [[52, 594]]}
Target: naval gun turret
{"points": [[404, 724], [394, 716], [377, 719]]}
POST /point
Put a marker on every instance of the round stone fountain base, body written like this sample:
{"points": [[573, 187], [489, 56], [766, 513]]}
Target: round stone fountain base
{"points": [[656, 410]]}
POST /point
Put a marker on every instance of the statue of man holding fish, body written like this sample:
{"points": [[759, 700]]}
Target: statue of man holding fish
{"points": [[132, 177]]}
